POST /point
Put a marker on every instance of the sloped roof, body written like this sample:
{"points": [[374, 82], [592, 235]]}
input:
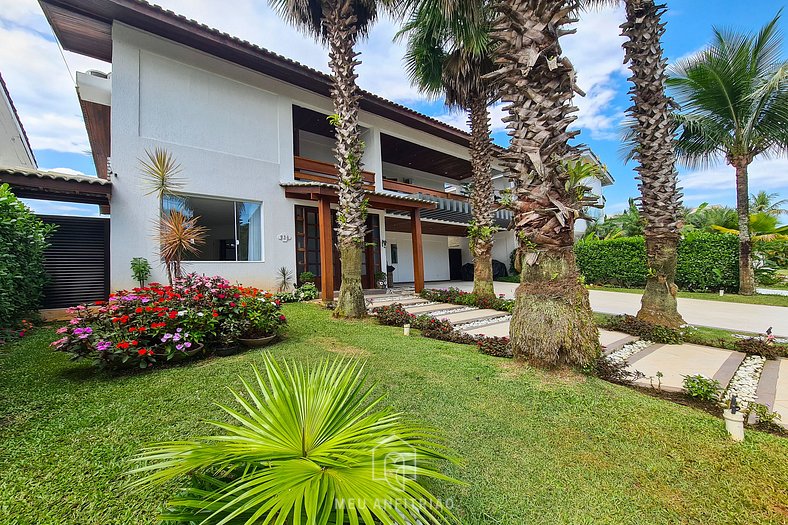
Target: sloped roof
{"points": [[15, 116], [85, 27]]}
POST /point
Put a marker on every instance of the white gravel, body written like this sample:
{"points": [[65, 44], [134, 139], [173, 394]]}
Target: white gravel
{"points": [[482, 322], [628, 350], [744, 384], [453, 310]]}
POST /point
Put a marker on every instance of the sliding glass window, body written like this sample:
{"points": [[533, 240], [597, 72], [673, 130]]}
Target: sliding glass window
{"points": [[234, 227]]}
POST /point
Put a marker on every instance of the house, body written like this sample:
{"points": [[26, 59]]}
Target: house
{"points": [[15, 151], [250, 131]]}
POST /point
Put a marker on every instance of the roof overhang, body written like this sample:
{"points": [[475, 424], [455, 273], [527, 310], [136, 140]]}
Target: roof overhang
{"points": [[85, 27], [49, 185]]}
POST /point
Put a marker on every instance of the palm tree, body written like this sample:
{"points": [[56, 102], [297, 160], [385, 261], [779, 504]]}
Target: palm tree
{"points": [[734, 98], [763, 202], [652, 132], [340, 23], [763, 227], [448, 54], [552, 322]]}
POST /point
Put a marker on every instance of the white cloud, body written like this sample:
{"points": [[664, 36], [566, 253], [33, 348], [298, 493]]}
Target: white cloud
{"points": [[717, 184]]}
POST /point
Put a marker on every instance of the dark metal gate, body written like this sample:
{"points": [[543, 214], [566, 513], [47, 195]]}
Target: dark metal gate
{"points": [[77, 261]]}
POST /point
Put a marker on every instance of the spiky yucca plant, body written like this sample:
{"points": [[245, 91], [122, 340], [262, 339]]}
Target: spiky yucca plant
{"points": [[308, 445], [161, 173], [178, 236], [552, 322]]}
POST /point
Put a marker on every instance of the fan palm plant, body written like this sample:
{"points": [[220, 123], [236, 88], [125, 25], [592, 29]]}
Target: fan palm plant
{"points": [[448, 54], [307, 445], [340, 23], [552, 320], [734, 99], [652, 132]]}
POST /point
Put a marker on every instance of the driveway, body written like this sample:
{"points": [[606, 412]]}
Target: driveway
{"points": [[715, 314]]}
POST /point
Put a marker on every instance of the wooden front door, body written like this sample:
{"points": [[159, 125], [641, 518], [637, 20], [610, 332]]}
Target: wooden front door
{"points": [[370, 259]]}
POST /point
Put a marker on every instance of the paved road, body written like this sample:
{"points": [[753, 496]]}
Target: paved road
{"points": [[716, 314]]}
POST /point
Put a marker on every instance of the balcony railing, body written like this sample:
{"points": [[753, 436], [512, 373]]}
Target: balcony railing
{"points": [[412, 189], [318, 171]]}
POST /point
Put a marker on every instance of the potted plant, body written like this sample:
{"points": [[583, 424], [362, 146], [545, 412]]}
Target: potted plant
{"points": [[263, 322], [381, 280], [306, 277], [140, 269]]}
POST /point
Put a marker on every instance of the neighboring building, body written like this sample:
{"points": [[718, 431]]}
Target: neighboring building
{"points": [[15, 151], [250, 131]]}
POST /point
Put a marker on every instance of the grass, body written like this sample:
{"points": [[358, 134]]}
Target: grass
{"points": [[768, 300], [538, 447]]}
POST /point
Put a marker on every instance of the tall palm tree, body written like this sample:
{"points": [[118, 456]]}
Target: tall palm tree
{"points": [[734, 99], [652, 133], [340, 23], [763, 202], [448, 54], [552, 322]]}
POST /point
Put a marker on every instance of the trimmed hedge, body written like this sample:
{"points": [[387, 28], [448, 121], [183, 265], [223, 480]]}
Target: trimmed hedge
{"points": [[23, 239], [706, 261], [616, 262]]}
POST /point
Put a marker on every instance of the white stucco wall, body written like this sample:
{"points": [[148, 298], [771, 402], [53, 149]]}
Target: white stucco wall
{"points": [[436, 256], [229, 133]]}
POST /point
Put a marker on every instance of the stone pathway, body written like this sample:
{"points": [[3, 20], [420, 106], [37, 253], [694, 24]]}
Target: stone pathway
{"points": [[672, 362]]}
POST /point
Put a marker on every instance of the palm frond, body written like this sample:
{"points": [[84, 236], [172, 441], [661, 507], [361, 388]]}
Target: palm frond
{"points": [[306, 445]]}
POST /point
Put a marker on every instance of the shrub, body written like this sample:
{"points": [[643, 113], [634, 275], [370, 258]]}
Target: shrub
{"points": [[630, 324], [758, 346], [306, 292], [23, 239], [306, 445], [616, 262], [155, 324], [701, 387], [495, 346], [140, 269], [775, 251], [306, 277], [613, 370], [708, 261]]}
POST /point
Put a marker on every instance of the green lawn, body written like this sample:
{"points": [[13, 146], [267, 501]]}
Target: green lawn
{"points": [[768, 300], [538, 447]]}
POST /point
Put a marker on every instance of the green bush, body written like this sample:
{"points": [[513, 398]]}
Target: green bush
{"points": [[706, 261], [617, 262], [775, 251], [23, 239]]}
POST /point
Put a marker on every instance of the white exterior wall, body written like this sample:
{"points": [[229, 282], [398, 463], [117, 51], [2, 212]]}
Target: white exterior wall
{"points": [[436, 256], [227, 129]]}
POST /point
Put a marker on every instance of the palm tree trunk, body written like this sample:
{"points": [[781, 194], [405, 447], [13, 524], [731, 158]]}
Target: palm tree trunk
{"points": [[481, 233], [652, 123], [351, 217], [746, 273], [552, 322]]}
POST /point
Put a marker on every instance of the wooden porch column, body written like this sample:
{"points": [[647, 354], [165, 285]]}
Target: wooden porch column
{"points": [[326, 250], [418, 250]]}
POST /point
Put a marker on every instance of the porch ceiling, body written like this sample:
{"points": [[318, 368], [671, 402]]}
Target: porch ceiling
{"points": [[411, 155], [397, 224]]}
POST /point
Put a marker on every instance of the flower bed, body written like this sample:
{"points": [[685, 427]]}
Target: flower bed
{"points": [[457, 296], [396, 315], [155, 324]]}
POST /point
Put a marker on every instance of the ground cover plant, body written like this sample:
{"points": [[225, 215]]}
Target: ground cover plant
{"points": [[151, 325], [767, 300], [539, 447]]}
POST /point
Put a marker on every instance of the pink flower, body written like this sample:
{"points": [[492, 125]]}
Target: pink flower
{"points": [[62, 330], [75, 320]]}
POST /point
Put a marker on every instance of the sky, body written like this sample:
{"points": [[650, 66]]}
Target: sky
{"points": [[40, 79]]}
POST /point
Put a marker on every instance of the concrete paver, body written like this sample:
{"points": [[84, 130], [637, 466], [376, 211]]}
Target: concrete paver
{"points": [[490, 330], [677, 361], [471, 315], [612, 341], [431, 308], [781, 393]]}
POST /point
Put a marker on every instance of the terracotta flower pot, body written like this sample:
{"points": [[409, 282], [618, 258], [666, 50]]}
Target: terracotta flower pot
{"points": [[257, 342]]}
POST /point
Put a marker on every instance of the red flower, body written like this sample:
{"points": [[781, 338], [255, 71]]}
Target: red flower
{"points": [[282, 318], [134, 343], [232, 305], [123, 345], [142, 351], [215, 313], [173, 314], [138, 310]]}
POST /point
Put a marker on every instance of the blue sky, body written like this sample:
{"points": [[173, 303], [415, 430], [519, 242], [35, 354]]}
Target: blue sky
{"points": [[41, 82]]}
